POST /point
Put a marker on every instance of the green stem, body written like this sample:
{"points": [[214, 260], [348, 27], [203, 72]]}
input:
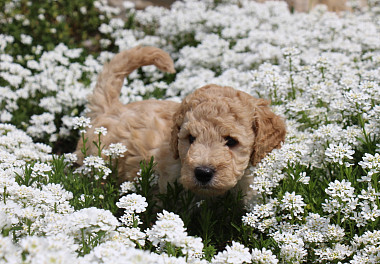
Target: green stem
{"points": [[84, 245], [99, 144], [291, 78], [84, 149], [5, 195], [338, 218], [323, 73]]}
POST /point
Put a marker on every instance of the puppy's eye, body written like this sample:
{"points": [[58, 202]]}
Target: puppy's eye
{"points": [[231, 142], [191, 139]]}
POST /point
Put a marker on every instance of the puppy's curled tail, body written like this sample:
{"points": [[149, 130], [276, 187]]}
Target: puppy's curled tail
{"points": [[110, 80]]}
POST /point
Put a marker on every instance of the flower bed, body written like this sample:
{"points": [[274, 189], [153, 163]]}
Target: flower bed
{"points": [[317, 197]]}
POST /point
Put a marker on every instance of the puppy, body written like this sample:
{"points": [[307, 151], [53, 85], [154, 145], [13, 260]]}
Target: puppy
{"points": [[207, 142]]}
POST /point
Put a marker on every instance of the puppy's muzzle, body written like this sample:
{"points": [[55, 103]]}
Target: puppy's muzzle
{"points": [[204, 174]]}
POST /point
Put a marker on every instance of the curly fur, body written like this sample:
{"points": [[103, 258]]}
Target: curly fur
{"points": [[163, 129]]}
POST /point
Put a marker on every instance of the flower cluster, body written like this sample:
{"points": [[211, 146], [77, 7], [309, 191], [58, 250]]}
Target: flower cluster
{"points": [[82, 123], [236, 253], [263, 256], [115, 150], [371, 162], [132, 203], [96, 166], [361, 208], [339, 153], [169, 228], [316, 199]]}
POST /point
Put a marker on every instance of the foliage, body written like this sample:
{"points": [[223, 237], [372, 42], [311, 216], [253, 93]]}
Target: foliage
{"points": [[44, 24], [316, 200]]}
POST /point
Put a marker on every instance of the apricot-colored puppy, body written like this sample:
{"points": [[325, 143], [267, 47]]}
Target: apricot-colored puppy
{"points": [[207, 142]]}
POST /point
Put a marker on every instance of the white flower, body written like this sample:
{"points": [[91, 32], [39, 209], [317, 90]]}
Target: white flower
{"points": [[105, 29], [41, 125], [358, 99], [263, 256], [5, 221], [287, 238], [303, 178], [70, 158], [335, 233], [371, 162], [93, 161], [133, 234], [52, 249], [119, 252], [262, 185], [234, 254], [100, 130], [127, 186], [133, 203], [190, 246], [322, 62], [168, 227], [369, 194], [340, 189], [250, 219], [9, 252], [311, 236], [368, 238], [290, 51], [262, 216], [41, 169], [82, 123], [339, 153], [83, 10], [128, 5], [5, 116], [130, 219], [90, 220], [104, 43], [115, 150], [344, 201], [370, 212], [292, 253], [96, 165], [26, 39], [294, 204], [339, 252]]}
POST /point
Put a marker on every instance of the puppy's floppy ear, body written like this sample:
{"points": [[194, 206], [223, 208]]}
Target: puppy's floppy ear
{"points": [[269, 129], [177, 122]]}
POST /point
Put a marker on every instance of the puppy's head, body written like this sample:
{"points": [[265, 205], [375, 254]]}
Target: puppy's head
{"points": [[217, 133]]}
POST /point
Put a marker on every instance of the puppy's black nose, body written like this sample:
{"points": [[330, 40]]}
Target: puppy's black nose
{"points": [[204, 174]]}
